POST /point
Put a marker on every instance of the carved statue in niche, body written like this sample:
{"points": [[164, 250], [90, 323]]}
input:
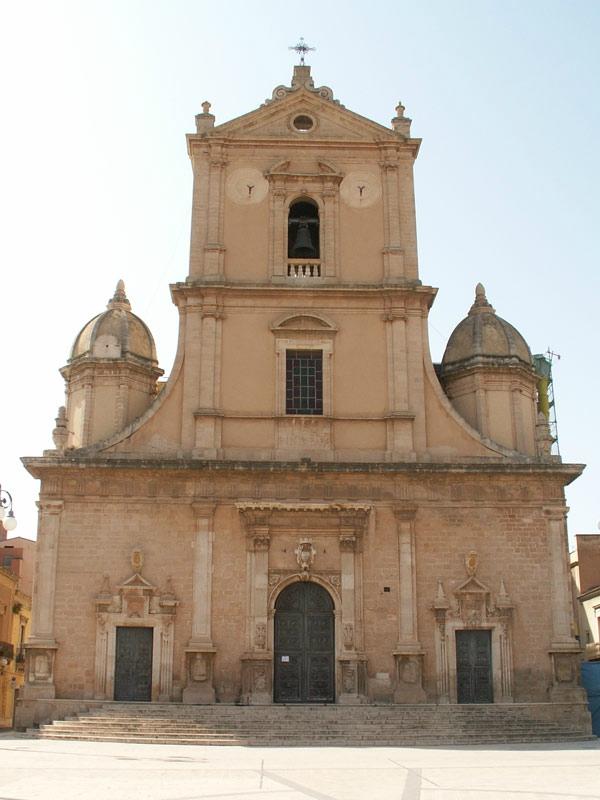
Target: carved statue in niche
{"points": [[348, 636], [198, 668], [260, 636]]}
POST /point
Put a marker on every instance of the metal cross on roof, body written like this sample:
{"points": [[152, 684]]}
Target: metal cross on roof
{"points": [[302, 49]]}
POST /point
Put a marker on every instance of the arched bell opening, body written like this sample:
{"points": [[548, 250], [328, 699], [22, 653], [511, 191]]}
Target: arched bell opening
{"points": [[304, 248], [304, 645]]}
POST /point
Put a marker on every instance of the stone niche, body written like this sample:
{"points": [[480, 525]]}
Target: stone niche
{"points": [[135, 603]]}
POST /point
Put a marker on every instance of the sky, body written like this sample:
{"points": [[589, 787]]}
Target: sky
{"points": [[95, 181]]}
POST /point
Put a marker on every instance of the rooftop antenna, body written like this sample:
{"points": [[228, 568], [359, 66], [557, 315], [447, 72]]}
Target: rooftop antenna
{"points": [[302, 49]]}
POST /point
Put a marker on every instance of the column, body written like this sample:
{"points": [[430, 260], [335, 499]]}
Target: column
{"points": [[41, 646], [208, 416], [329, 231], [214, 249], [408, 652], [400, 419], [565, 651], [414, 349], [393, 257], [407, 216], [192, 324], [257, 661], [352, 660], [199, 215], [278, 252], [200, 650]]}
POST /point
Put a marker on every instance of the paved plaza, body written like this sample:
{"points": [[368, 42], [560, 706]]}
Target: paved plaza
{"points": [[32, 769]]}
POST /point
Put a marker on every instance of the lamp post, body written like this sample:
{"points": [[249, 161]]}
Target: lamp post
{"points": [[7, 515]]}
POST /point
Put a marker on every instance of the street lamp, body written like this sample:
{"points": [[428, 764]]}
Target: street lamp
{"points": [[7, 515]]}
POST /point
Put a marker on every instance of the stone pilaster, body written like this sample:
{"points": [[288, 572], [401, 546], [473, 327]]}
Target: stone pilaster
{"points": [[352, 661], [565, 652], [207, 415], [214, 250], [192, 328], [41, 646], [199, 213], [408, 653], [329, 236], [399, 418], [257, 661], [200, 650], [407, 216], [393, 257]]}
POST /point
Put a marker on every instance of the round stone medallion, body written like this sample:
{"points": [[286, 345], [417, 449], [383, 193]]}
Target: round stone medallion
{"points": [[247, 186], [361, 189]]}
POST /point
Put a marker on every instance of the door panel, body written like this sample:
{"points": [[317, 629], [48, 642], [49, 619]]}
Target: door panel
{"points": [[304, 645], [133, 664], [474, 667]]}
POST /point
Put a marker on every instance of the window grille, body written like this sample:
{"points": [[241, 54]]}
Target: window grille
{"points": [[304, 382]]}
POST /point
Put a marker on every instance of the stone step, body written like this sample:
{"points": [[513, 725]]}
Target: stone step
{"points": [[416, 741], [313, 725], [200, 725]]}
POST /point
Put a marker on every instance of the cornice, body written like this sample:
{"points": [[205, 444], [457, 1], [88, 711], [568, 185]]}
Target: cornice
{"points": [[42, 465]]}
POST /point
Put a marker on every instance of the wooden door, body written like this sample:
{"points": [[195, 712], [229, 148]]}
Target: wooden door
{"points": [[474, 667], [304, 645], [133, 664]]}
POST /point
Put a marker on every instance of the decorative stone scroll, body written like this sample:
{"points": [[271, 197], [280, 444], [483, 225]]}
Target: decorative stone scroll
{"points": [[473, 607], [137, 603]]}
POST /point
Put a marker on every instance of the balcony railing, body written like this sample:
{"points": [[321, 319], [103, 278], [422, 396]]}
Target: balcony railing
{"points": [[303, 268]]}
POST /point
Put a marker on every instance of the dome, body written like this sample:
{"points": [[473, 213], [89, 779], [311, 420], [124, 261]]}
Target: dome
{"points": [[115, 334], [484, 339]]}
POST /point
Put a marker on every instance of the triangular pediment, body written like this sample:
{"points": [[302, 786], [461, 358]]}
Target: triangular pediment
{"points": [[330, 121], [472, 586], [136, 582]]}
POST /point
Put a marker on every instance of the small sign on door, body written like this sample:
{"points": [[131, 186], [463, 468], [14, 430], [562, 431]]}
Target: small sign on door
{"points": [[285, 659]]}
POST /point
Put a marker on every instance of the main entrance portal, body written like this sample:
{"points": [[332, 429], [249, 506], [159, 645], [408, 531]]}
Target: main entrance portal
{"points": [[474, 666], [133, 664], [304, 645]]}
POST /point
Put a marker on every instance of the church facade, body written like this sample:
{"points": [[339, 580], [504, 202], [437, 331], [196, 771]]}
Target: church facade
{"points": [[308, 509]]}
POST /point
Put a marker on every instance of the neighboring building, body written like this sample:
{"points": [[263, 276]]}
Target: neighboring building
{"points": [[309, 511], [17, 558], [17, 554], [585, 569]]}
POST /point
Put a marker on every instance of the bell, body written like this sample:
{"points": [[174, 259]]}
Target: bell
{"points": [[303, 246]]}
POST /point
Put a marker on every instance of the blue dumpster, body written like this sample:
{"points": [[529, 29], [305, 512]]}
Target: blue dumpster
{"points": [[590, 679]]}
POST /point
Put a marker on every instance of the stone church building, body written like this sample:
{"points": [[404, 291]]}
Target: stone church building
{"points": [[308, 510]]}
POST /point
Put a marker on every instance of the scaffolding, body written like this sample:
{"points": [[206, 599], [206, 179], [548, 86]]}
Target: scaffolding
{"points": [[546, 403]]}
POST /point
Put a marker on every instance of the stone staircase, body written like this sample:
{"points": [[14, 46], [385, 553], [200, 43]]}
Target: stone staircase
{"points": [[323, 725]]}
